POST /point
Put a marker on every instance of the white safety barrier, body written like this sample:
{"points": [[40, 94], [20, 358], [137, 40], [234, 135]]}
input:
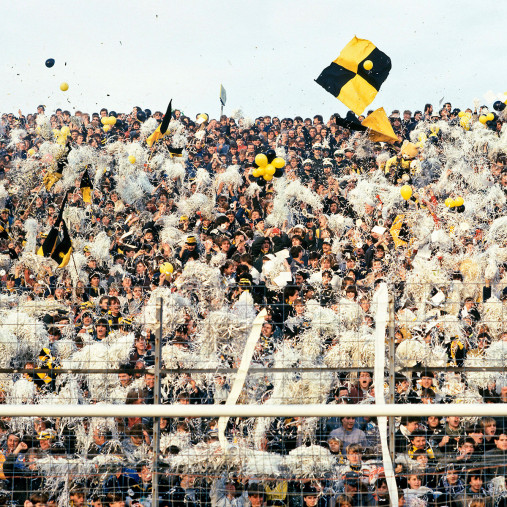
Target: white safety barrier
{"points": [[362, 410], [381, 303]]}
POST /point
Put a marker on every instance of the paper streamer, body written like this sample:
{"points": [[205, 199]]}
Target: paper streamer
{"points": [[239, 381], [381, 302]]}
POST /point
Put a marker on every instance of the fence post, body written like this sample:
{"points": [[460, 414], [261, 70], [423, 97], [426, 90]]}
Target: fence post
{"points": [[392, 387], [156, 400]]}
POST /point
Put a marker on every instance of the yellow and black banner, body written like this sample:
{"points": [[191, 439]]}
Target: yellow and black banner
{"points": [[356, 75], [86, 186], [63, 250]]}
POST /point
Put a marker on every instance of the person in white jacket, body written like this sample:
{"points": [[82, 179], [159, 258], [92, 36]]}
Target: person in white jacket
{"points": [[224, 494]]}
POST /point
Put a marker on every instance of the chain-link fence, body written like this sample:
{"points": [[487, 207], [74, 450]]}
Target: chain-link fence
{"points": [[444, 345]]}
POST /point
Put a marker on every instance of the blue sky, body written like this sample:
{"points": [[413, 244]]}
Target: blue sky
{"points": [[266, 53]]}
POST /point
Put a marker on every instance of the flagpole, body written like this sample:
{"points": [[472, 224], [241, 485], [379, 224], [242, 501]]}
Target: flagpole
{"points": [[33, 200]]}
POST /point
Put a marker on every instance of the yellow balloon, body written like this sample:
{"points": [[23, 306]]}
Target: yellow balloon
{"points": [[64, 87], [56, 132], [449, 202], [368, 65], [261, 171], [459, 201], [268, 177], [112, 120], [461, 114], [452, 204], [65, 130], [61, 140], [31, 151], [166, 268], [490, 117], [104, 120], [270, 170], [261, 160], [422, 137], [406, 192], [278, 163], [483, 119], [132, 159], [107, 128], [256, 173], [465, 123], [468, 114]]}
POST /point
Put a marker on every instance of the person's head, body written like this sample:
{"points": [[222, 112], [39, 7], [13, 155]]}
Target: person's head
{"points": [[421, 456], [453, 422], [77, 496], [351, 482], [452, 475], [411, 423], [39, 500], [418, 439], [489, 425], [354, 453], [501, 441], [114, 500], [125, 378], [402, 383], [476, 432], [135, 397], [144, 471], [466, 445], [12, 441], [365, 379], [136, 434], [335, 445], [256, 494], [414, 481], [475, 480], [426, 380], [140, 342], [310, 495], [427, 396], [149, 379], [348, 423], [267, 329], [45, 439], [101, 328]]}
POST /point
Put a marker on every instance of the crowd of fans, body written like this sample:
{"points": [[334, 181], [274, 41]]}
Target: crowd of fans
{"points": [[316, 254]]}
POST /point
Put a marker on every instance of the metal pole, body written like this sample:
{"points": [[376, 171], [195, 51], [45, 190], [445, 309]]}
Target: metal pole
{"points": [[156, 400], [392, 387], [300, 410], [221, 109]]}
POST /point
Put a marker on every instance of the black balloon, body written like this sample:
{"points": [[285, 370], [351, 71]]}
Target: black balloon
{"points": [[50, 62], [279, 173], [147, 112], [498, 105], [460, 209], [141, 116], [113, 113], [271, 155], [260, 181]]}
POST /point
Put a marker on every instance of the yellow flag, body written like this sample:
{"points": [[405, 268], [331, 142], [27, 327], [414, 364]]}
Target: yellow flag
{"points": [[379, 127]]}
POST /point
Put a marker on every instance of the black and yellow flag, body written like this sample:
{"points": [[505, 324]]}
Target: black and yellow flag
{"points": [[63, 249], [47, 248], [175, 152], [162, 128], [86, 186], [357, 74]]}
